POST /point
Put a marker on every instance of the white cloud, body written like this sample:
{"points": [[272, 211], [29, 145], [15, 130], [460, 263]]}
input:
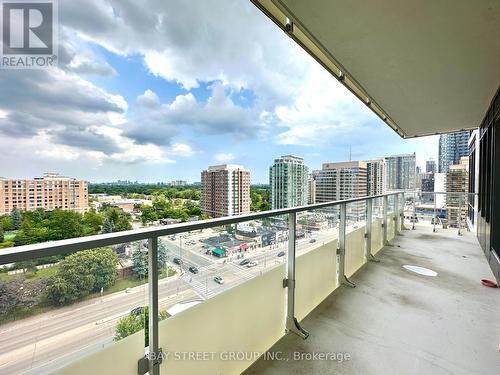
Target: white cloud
{"points": [[149, 99], [182, 149], [224, 157]]}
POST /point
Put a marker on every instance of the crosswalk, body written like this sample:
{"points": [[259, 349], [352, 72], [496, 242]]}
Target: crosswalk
{"points": [[200, 288]]}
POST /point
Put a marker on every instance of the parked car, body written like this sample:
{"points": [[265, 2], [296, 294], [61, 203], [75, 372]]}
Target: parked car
{"points": [[138, 310], [178, 261], [244, 262], [312, 240], [251, 264], [281, 254], [193, 269], [219, 280]]}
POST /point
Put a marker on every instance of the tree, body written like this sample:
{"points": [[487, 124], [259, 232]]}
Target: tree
{"points": [[6, 223], [134, 322], [2, 238], [16, 218], [108, 226], [92, 222], [18, 293], [82, 273], [162, 254], [30, 233], [64, 224], [148, 214], [121, 219], [140, 261], [160, 204]]}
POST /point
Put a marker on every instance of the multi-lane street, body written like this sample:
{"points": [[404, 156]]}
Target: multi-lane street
{"points": [[62, 335]]}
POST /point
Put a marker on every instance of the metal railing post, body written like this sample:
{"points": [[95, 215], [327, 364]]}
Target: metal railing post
{"points": [[368, 231], [414, 219], [155, 356], [384, 219], [460, 196], [397, 218], [402, 211], [434, 219], [341, 250], [292, 324]]}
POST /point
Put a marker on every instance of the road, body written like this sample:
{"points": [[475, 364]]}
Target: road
{"points": [[41, 343]]}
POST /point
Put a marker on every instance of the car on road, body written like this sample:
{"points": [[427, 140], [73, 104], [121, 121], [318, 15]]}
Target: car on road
{"points": [[138, 311], [244, 262], [312, 240], [219, 280], [251, 264], [193, 269], [281, 254], [178, 261]]}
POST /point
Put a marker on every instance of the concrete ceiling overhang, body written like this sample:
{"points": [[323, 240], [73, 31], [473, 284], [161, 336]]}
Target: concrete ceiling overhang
{"points": [[424, 67]]}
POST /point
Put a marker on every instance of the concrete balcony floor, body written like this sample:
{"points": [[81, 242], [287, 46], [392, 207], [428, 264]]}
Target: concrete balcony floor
{"points": [[398, 322]]}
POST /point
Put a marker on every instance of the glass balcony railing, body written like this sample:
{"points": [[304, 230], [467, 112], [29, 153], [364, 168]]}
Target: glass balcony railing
{"points": [[208, 297]]}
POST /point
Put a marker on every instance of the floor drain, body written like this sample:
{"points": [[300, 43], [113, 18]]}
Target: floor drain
{"points": [[420, 270]]}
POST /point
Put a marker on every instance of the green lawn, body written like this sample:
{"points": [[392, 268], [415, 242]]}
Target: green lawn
{"points": [[40, 274]]}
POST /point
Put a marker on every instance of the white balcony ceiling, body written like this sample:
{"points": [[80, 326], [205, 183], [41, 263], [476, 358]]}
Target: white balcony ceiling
{"points": [[426, 67]]}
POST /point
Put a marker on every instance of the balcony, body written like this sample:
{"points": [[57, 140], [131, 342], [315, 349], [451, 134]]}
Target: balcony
{"points": [[398, 322], [393, 321]]}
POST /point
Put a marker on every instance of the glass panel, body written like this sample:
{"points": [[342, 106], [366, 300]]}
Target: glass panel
{"points": [[355, 237], [316, 267], [377, 221], [57, 310]]}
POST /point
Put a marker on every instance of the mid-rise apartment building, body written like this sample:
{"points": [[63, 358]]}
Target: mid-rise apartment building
{"points": [[288, 181], [225, 190], [345, 180], [452, 147], [375, 177], [49, 192], [400, 172], [311, 187], [457, 181]]}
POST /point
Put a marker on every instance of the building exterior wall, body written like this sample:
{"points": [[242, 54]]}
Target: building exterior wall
{"points": [[457, 181], [339, 181], [48, 193], [452, 147], [289, 182], [375, 177], [225, 191], [400, 172]]}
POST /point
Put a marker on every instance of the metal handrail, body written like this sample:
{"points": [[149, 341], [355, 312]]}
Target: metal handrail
{"points": [[72, 245]]}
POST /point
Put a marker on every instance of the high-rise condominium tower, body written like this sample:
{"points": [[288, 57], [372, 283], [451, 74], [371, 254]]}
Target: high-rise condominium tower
{"points": [[430, 166], [400, 172], [457, 181], [452, 147], [375, 177], [49, 192], [288, 180], [225, 190], [338, 181]]}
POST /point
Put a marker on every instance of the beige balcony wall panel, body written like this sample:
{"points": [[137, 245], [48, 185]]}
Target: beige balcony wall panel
{"points": [[390, 227], [247, 318], [315, 278], [377, 236], [118, 358], [355, 250]]}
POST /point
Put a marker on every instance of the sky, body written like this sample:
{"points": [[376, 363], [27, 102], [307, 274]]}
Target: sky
{"points": [[157, 91]]}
